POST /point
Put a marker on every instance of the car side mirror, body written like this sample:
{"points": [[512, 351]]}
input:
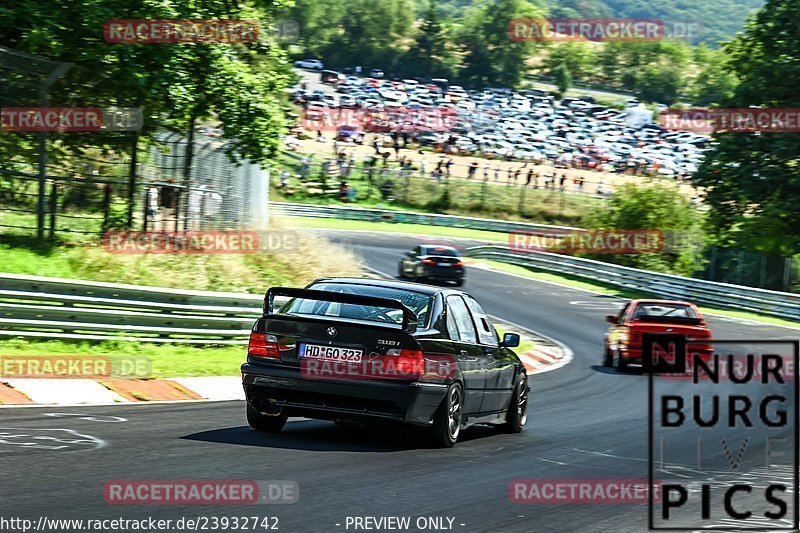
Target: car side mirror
{"points": [[510, 340], [611, 319]]}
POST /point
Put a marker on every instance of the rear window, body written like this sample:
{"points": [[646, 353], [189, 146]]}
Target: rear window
{"points": [[659, 310], [440, 250], [419, 303]]}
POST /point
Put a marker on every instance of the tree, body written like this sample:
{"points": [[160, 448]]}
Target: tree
{"points": [[660, 207], [579, 58], [431, 54], [752, 180], [659, 83], [562, 78], [177, 85], [370, 32], [490, 55]]}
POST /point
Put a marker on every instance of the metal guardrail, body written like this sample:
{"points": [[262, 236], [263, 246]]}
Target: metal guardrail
{"points": [[54, 308], [36, 306], [773, 303], [428, 219]]}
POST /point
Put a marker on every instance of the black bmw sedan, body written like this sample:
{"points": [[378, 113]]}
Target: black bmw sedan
{"points": [[357, 349], [432, 263]]}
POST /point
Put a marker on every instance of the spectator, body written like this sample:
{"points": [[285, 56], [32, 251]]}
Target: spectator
{"points": [[344, 191], [496, 173], [152, 204], [562, 182], [386, 190], [305, 167], [486, 172], [448, 165], [396, 148], [168, 199], [473, 169], [284, 179]]}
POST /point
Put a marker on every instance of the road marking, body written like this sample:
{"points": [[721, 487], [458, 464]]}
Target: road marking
{"points": [[34, 439], [90, 418]]}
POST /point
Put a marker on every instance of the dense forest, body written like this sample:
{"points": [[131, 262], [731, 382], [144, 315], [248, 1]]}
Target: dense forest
{"points": [[720, 19]]}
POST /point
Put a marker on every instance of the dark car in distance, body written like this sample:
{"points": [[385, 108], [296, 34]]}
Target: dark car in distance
{"points": [[355, 349], [432, 262]]}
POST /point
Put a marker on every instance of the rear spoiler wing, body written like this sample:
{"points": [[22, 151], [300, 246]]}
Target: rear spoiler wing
{"points": [[410, 319]]}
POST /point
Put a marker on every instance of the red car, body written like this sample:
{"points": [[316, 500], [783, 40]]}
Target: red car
{"points": [[623, 341]]}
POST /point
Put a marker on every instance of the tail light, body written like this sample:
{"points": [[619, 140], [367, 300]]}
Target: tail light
{"points": [[458, 263], [263, 345], [428, 262], [403, 364]]}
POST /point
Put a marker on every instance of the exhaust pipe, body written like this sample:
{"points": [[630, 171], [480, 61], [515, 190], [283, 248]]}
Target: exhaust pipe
{"points": [[265, 406]]}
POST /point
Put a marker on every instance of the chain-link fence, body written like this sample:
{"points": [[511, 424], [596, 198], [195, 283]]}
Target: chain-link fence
{"points": [[88, 194], [525, 191], [752, 270], [216, 193]]}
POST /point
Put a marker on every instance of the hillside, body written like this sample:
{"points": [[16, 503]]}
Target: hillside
{"points": [[719, 19]]}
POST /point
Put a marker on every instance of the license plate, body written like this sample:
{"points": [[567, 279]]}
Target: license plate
{"points": [[331, 353]]}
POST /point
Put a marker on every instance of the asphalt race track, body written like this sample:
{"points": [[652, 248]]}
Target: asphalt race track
{"points": [[585, 422]]}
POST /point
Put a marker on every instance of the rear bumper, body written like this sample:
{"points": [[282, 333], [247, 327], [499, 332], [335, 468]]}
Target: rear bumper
{"points": [[414, 402], [632, 353], [448, 274]]}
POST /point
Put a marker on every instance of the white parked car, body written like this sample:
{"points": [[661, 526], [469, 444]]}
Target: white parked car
{"points": [[309, 63]]}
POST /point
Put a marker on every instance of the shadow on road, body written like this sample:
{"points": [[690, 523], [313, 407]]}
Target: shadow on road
{"points": [[323, 436], [600, 369]]}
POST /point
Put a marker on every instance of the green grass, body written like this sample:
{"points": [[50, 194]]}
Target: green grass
{"points": [[159, 360], [602, 288], [299, 259], [419, 229], [525, 343], [466, 198]]}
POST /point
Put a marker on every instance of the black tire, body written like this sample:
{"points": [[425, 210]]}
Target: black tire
{"points": [[447, 421], [517, 414], [400, 273], [460, 282], [619, 363], [265, 423], [608, 359]]}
